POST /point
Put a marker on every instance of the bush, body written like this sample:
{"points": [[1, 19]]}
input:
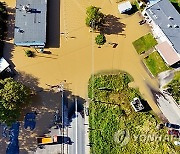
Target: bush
{"points": [[29, 53], [100, 39]]}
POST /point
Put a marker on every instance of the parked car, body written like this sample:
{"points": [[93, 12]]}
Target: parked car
{"points": [[177, 142], [169, 125], [30, 121], [173, 132]]}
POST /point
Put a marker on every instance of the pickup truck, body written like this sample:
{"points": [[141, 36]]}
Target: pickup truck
{"points": [[48, 140], [53, 140]]}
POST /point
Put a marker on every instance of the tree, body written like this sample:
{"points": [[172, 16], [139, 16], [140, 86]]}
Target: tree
{"points": [[13, 95], [100, 39], [3, 25], [94, 17]]}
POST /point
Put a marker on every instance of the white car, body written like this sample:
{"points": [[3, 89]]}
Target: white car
{"points": [[177, 142]]}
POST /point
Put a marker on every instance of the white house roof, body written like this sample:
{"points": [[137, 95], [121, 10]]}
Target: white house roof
{"points": [[168, 53], [125, 6], [3, 64], [167, 18]]}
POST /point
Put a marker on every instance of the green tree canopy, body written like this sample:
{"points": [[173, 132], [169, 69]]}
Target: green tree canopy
{"points": [[13, 95], [100, 39], [94, 17]]}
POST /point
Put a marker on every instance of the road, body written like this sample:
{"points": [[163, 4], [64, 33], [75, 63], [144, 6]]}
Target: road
{"points": [[77, 134]]}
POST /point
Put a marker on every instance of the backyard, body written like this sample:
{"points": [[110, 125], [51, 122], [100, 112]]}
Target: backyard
{"points": [[144, 43], [111, 115], [155, 63]]}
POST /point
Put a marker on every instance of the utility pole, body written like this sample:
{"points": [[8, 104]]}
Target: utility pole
{"points": [[76, 116], [60, 88]]}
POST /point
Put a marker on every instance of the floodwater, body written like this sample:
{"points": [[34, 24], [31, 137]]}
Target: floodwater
{"points": [[74, 54]]}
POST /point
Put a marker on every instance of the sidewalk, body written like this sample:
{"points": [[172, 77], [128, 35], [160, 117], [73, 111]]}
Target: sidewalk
{"points": [[87, 147]]}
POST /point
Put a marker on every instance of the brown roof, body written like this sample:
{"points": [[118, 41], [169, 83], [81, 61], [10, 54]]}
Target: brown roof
{"points": [[168, 53]]}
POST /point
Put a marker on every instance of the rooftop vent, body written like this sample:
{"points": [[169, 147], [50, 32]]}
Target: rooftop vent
{"points": [[169, 26], [170, 18], [155, 17], [25, 8], [176, 26]]}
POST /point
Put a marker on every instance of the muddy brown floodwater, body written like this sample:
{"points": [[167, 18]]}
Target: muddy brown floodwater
{"points": [[74, 54]]}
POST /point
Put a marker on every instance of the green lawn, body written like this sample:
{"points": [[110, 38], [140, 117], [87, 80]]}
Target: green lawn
{"points": [[111, 112], [155, 63], [173, 87], [144, 43]]}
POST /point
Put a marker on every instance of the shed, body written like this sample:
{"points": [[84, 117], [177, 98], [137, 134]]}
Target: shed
{"points": [[3, 64], [137, 105], [30, 23], [124, 7]]}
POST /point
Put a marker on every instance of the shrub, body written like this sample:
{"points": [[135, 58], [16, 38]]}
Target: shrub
{"points": [[100, 39], [29, 53]]}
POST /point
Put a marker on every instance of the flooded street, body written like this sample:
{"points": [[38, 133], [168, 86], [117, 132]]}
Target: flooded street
{"points": [[74, 54], [78, 56]]}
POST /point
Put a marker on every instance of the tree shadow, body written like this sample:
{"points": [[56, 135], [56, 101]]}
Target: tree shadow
{"points": [[155, 93], [53, 24], [176, 5], [8, 46], [45, 102], [112, 25], [10, 24], [80, 107]]}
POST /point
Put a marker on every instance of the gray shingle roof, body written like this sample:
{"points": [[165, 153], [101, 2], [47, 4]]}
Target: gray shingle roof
{"points": [[166, 17], [30, 22]]}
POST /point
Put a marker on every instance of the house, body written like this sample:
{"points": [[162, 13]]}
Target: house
{"points": [[124, 7], [165, 22], [30, 23]]}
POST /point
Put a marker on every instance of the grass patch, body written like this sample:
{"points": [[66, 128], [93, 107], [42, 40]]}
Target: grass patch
{"points": [[144, 43], [173, 87], [155, 63], [110, 112]]}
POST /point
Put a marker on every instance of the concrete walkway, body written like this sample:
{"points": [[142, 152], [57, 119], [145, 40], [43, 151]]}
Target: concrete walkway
{"points": [[169, 109]]}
